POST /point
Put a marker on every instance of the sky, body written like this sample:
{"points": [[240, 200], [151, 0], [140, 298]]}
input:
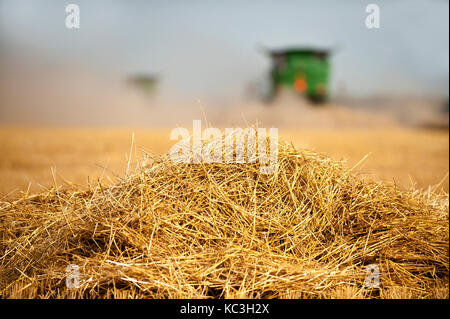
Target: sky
{"points": [[212, 49]]}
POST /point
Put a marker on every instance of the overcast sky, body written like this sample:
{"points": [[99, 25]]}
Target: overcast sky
{"points": [[210, 48]]}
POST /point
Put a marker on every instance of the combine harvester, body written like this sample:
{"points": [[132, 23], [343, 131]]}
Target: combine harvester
{"points": [[302, 70]]}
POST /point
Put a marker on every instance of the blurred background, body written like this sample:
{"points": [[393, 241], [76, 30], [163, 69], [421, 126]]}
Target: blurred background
{"points": [[70, 98]]}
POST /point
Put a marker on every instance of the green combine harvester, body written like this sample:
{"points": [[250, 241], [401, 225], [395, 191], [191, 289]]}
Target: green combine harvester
{"points": [[146, 84], [305, 71]]}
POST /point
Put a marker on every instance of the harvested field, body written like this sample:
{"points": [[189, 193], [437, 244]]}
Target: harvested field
{"points": [[226, 231], [408, 157]]}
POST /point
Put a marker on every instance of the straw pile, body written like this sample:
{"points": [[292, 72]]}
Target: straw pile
{"points": [[226, 231]]}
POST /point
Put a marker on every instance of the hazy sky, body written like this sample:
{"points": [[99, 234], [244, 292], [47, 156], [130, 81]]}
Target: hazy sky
{"points": [[210, 48]]}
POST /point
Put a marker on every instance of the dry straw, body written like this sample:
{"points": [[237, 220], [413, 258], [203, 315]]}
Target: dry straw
{"points": [[227, 231]]}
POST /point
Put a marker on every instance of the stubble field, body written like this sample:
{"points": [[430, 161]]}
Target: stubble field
{"points": [[28, 156]]}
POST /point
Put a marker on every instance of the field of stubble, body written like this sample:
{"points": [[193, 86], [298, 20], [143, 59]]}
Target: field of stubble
{"points": [[28, 156]]}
